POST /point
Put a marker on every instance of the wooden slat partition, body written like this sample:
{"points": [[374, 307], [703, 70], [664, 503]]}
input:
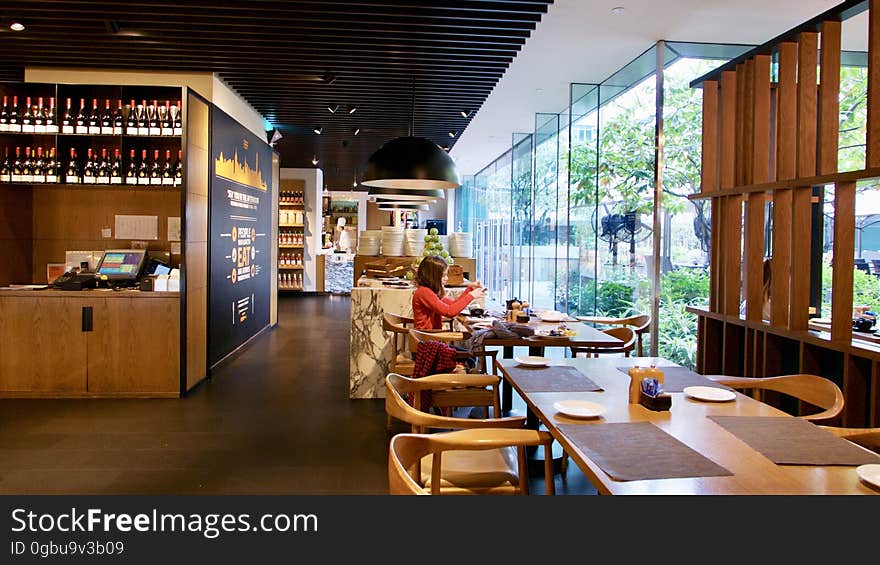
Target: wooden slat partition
{"points": [[780, 277], [872, 148], [801, 224], [829, 92], [842, 276], [730, 231]]}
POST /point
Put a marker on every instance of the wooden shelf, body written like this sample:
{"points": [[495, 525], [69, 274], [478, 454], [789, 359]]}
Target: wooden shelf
{"points": [[291, 288], [820, 180], [65, 186], [290, 267], [291, 205], [291, 225], [290, 246]]}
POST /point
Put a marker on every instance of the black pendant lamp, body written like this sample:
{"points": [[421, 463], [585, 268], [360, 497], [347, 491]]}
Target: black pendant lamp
{"points": [[411, 163]]}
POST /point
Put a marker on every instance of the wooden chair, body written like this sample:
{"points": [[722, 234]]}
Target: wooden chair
{"points": [[398, 326], [624, 334], [640, 323], [869, 438], [471, 392], [487, 457], [812, 389]]}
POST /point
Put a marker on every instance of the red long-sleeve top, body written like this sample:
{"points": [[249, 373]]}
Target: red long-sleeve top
{"points": [[429, 309]]}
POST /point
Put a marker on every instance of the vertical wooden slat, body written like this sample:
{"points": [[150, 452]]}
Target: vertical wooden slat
{"points": [[761, 120], [829, 92], [842, 275], [739, 126], [709, 169], [780, 276], [748, 122], [873, 121], [800, 257], [806, 105], [753, 256], [786, 113], [715, 285], [732, 254], [728, 129]]}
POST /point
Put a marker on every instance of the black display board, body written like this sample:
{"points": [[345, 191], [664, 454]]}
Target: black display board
{"points": [[240, 229]]}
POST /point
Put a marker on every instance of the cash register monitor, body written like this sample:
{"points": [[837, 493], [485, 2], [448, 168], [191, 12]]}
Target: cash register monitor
{"points": [[122, 264]]}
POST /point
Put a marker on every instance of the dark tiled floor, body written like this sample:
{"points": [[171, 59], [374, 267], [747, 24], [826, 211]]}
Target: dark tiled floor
{"points": [[277, 419]]}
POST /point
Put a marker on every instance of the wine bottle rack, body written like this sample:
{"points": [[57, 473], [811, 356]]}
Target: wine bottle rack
{"points": [[291, 239]]}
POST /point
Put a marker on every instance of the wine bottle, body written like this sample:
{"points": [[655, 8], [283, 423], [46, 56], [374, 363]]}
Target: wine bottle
{"points": [[117, 119], [37, 173], [51, 168], [103, 168], [17, 167], [116, 168], [82, 119], [88, 173], [131, 120], [178, 168], [143, 170], [107, 119], [153, 118], [49, 117], [95, 119], [27, 119], [167, 169], [155, 169], [39, 123], [14, 124], [67, 122], [132, 172], [142, 118], [4, 115], [72, 174], [26, 166], [6, 167], [178, 120]]}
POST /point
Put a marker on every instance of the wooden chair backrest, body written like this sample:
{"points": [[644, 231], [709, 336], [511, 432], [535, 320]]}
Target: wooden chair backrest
{"points": [[406, 451], [625, 334], [813, 389], [399, 327], [397, 387]]}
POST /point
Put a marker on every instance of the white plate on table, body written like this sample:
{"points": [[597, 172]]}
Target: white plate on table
{"points": [[709, 393], [532, 361], [870, 473], [551, 316], [579, 408]]}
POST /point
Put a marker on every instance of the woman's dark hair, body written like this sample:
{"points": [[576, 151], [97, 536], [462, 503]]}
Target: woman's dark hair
{"points": [[430, 274]]}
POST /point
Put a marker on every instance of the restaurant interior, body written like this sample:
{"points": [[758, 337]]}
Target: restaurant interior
{"points": [[526, 247]]}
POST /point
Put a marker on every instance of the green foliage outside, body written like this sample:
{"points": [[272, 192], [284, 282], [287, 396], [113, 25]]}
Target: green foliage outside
{"points": [[866, 290]]}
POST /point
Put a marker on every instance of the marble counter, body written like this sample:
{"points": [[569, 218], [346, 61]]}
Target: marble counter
{"points": [[338, 272], [370, 347]]}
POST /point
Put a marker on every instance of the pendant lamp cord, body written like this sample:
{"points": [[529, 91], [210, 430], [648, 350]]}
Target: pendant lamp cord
{"points": [[412, 114]]}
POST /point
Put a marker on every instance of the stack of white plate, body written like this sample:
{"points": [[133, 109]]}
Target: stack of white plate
{"points": [[414, 242], [460, 244], [392, 241], [368, 242]]}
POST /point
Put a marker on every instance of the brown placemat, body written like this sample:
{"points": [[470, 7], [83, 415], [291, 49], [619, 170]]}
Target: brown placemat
{"points": [[676, 379], [794, 441], [555, 378], [637, 451]]}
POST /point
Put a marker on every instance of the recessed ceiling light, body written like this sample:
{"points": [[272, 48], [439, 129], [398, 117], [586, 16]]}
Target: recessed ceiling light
{"points": [[465, 113], [617, 10], [319, 131], [356, 131], [315, 160], [453, 133], [354, 184], [332, 108], [352, 110], [329, 78], [16, 26]]}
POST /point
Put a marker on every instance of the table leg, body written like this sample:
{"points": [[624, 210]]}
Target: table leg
{"points": [[506, 389]]}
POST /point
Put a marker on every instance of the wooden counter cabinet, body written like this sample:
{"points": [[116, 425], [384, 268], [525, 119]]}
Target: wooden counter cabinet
{"points": [[92, 343]]}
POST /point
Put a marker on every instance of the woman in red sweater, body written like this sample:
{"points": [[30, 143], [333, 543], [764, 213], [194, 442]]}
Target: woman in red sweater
{"points": [[430, 303]]}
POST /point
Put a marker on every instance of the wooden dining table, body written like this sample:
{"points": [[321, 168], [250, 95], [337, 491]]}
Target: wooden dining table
{"points": [[688, 421], [585, 336]]}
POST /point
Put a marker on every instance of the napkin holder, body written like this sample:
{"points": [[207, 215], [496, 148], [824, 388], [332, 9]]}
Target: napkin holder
{"points": [[657, 403]]}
